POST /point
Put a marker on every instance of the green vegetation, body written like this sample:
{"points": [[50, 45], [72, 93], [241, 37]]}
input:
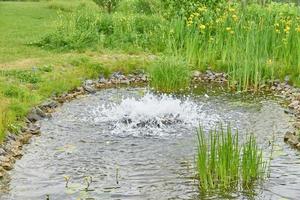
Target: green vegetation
{"points": [[224, 165], [169, 75], [253, 44]]}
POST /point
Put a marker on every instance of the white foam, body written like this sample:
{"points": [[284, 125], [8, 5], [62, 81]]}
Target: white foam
{"points": [[151, 115]]}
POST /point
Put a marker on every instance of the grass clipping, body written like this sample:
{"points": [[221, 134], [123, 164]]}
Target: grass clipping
{"points": [[226, 166]]}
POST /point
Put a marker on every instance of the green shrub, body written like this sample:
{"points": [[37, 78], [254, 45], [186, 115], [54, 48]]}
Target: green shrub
{"points": [[169, 75], [140, 7], [108, 5]]}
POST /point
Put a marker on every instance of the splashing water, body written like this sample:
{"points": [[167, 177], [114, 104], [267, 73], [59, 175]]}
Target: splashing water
{"points": [[150, 114]]}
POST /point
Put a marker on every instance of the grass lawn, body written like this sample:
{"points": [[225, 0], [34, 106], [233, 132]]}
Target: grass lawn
{"points": [[22, 23]]}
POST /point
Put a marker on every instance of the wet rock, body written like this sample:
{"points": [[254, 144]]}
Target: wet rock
{"points": [[34, 129], [117, 75], [102, 80], [290, 112], [33, 117], [4, 159], [2, 151], [144, 78], [89, 89], [297, 125], [49, 105], [7, 165], [25, 138], [88, 82], [36, 114], [298, 146], [291, 138], [294, 104], [2, 172], [126, 81], [10, 136]]}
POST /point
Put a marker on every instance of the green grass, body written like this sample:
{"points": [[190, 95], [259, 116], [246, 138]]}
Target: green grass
{"points": [[21, 23], [169, 75], [226, 166]]}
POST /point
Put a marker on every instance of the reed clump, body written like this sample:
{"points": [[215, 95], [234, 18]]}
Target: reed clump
{"points": [[169, 75], [224, 165]]}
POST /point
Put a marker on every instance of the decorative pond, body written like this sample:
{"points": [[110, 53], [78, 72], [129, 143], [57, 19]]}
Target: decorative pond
{"points": [[134, 144]]}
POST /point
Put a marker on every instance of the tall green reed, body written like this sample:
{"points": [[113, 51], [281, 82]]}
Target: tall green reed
{"points": [[169, 75], [226, 166], [253, 45]]}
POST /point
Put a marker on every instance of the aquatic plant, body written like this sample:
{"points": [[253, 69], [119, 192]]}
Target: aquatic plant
{"points": [[169, 75], [224, 165]]}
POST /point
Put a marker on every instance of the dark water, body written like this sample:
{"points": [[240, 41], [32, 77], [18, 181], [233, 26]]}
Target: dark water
{"points": [[131, 152]]}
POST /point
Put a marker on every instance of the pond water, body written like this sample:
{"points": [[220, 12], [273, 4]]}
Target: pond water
{"points": [[133, 144]]}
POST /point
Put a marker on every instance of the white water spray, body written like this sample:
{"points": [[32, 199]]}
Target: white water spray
{"points": [[151, 114]]}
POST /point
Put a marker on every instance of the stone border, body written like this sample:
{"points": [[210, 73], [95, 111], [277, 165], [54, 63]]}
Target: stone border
{"points": [[11, 148]]}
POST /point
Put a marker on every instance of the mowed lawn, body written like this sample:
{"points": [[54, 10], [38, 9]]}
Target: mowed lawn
{"points": [[20, 24]]}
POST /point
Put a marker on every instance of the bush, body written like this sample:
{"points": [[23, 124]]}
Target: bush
{"points": [[108, 5], [140, 6]]}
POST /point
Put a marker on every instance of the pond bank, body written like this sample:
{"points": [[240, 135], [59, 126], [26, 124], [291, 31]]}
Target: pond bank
{"points": [[11, 148]]}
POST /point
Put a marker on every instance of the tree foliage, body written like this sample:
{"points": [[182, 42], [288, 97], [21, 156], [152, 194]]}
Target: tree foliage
{"points": [[108, 5]]}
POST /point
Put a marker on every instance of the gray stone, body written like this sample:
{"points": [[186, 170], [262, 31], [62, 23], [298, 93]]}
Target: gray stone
{"points": [[89, 89], [291, 138], [126, 81], [144, 78], [294, 104], [4, 159], [89, 82], [2, 152], [296, 125], [33, 117], [49, 104], [102, 80], [7, 166], [117, 75], [25, 138], [34, 129], [196, 74], [36, 114]]}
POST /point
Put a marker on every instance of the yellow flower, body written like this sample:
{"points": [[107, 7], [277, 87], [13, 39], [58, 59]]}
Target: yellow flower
{"points": [[228, 29], [231, 10], [234, 17], [287, 29], [269, 62], [202, 26]]}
